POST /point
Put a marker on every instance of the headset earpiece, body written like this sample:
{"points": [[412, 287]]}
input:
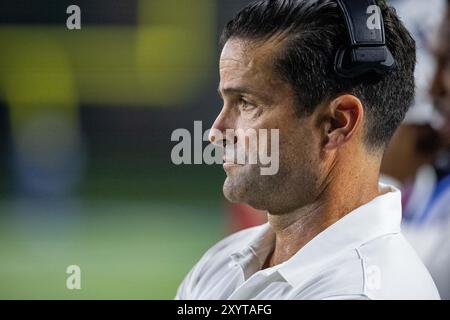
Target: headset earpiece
{"points": [[367, 51]]}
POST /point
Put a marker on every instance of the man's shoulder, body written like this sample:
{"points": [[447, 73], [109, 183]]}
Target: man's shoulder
{"points": [[393, 269], [214, 262], [383, 268]]}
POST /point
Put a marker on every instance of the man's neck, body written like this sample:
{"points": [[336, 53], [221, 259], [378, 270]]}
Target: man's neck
{"points": [[294, 230]]}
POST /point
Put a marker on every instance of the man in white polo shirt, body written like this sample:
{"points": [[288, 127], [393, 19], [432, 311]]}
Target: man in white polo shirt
{"points": [[333, 231]]}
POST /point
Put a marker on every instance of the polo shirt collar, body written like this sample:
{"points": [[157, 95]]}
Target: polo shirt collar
{"points": [[252, 257]]}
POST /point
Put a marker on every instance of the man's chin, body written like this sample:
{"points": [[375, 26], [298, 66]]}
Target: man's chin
{"points": [[230, 192], [234, 191], [236, 195], [239, 185]]}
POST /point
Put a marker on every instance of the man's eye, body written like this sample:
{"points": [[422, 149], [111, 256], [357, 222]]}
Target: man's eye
{"points": [[246, 106]]}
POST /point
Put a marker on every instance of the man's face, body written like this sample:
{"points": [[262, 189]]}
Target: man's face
{"points": [[256, 98], [441, 85]]}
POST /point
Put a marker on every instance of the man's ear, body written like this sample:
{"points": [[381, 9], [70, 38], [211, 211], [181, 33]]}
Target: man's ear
{"points": [[344, 117]]}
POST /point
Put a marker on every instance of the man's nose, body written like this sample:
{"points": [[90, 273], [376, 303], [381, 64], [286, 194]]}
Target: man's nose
{"points": [[222, 132]]}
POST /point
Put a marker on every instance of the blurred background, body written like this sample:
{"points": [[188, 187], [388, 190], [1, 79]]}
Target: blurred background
{"points": [[86, 118]]}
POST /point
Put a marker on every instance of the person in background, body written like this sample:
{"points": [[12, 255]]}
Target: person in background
{"points": [[440, 207], [417, 158]]}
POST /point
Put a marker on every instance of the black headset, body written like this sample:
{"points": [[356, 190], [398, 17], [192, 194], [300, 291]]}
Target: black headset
{"points": [[367, 52]]}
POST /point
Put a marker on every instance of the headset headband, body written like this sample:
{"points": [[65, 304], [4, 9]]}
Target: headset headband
{"points": [[367, 51]]}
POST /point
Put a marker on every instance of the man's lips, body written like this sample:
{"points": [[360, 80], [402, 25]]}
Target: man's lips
{"points": [[229, 163]]}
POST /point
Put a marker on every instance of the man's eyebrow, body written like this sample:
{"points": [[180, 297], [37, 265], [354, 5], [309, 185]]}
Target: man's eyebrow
{"points": [[235, 90]]}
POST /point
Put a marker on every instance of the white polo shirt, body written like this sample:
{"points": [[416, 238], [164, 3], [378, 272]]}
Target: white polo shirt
{"points": [[361, 256]]}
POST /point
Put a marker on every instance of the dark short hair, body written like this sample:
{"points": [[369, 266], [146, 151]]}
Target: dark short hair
{"points": [[313, 31]]}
